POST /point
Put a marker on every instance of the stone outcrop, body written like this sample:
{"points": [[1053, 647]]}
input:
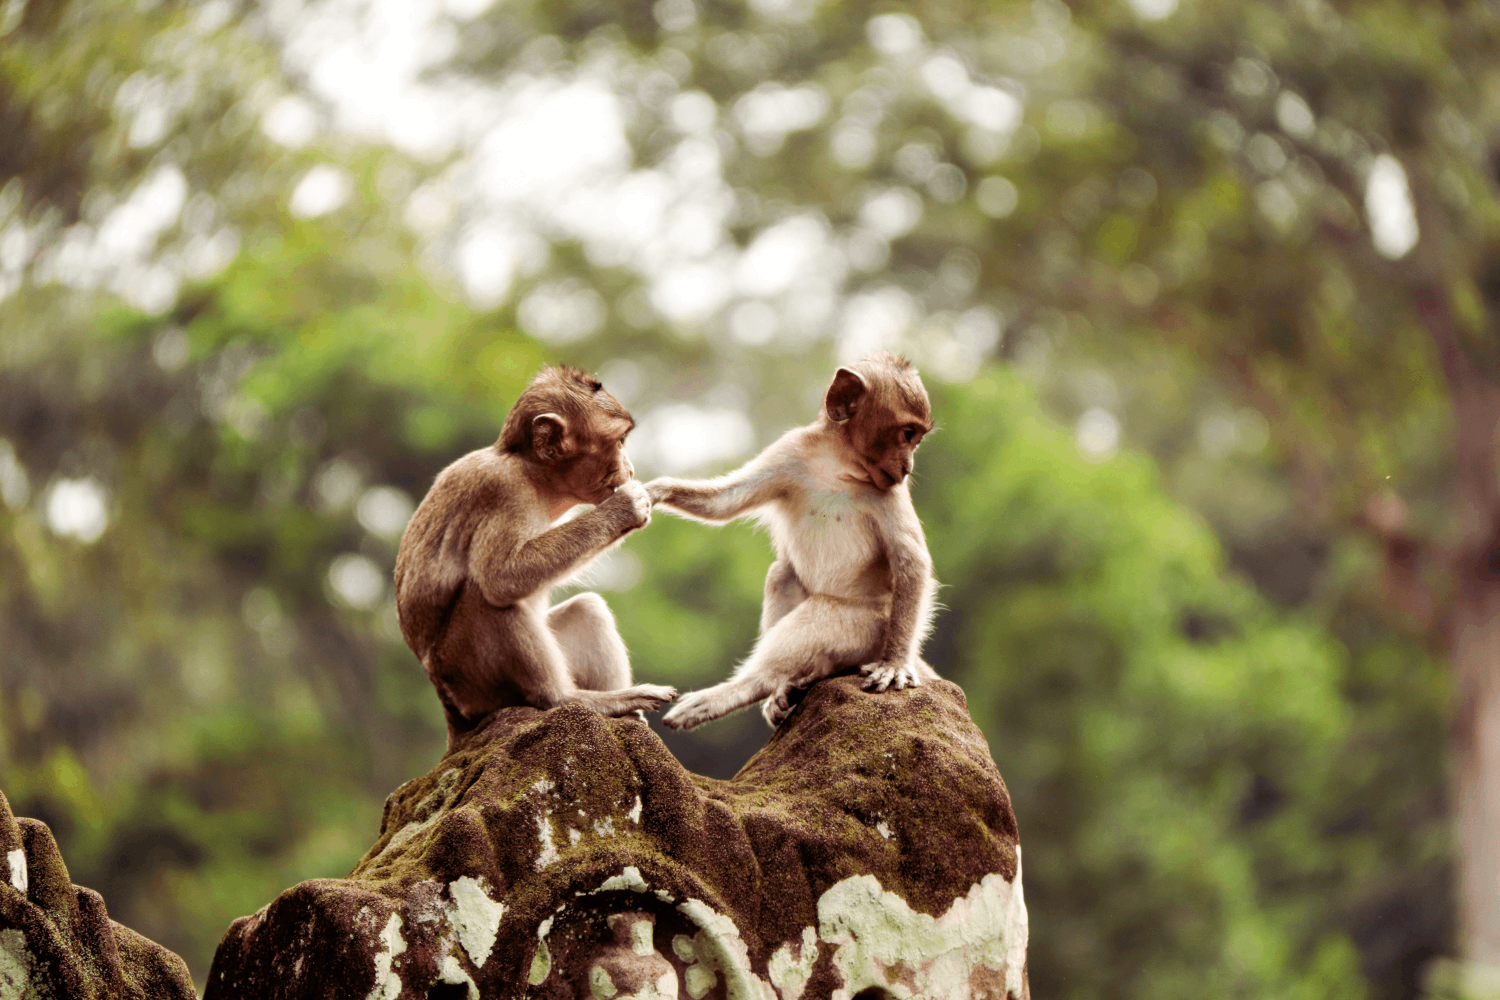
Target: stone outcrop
{"points": [[868, 850], [56, 940]]}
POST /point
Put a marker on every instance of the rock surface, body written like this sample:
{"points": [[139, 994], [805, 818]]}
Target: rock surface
{"points": [[56, 940], [869, 849]]}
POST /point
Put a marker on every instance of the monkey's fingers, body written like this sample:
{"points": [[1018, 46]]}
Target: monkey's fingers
{"points": [[879, 676], [632, 496]]}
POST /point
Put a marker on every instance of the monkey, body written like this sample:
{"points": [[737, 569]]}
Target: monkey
{"points": [[852, 582], [484, 549]]}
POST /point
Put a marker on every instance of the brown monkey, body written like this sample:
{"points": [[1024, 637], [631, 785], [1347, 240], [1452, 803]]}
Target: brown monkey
{"points": [[852, 582], [484, 550]]}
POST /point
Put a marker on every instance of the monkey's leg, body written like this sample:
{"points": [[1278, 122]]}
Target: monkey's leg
{"points": [[591, 643], [814, 639], [539, 668], [597, 660], [783, 593]]}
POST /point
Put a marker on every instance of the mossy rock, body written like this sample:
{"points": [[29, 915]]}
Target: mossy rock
{"points": [[56, 940], [869, 848]]}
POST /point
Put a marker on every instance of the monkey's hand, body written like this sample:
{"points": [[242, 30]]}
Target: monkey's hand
{"points": [[888, 674], [630, 505]]}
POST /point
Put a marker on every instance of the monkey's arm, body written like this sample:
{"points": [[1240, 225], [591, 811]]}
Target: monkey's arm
{"points": [[721, 500], [912, 588], [508, 572]]}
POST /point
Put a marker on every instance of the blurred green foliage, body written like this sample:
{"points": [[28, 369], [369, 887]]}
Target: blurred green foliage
{"points": [[1226, 751]]}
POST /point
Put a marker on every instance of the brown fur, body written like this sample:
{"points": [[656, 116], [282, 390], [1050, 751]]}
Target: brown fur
{"points": [[484, 550], [852, 582]]}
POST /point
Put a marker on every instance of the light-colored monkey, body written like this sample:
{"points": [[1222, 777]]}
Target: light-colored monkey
{"points": [[484, 550], [852, 583]]}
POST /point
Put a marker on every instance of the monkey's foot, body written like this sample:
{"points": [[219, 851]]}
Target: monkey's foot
{"points": [[631, 700], [776, 708], [696, 708], [649, 697], [887, 675]]}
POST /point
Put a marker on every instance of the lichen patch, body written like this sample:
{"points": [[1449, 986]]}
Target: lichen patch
{"points": [[630, 879], [451, 972], [477, 916], [548, 853], [874, 931], [790, 974], [541, 962], [391, 943], [16, 862], [720, 950], [15, 966]]}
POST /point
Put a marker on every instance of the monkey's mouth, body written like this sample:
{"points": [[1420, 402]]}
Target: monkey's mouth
{"points": [[879, 478], [607, 488]]}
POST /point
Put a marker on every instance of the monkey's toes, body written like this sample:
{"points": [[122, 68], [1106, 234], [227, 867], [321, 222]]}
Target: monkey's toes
{"points": [[776, 708], [879, 676], [890, 677], [651, 696]]}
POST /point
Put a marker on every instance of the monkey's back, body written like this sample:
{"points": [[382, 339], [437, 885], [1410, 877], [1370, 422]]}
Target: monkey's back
{"points": [[432, 564]]}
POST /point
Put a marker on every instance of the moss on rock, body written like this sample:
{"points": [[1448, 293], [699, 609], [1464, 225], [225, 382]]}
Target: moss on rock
{"points": [[870, 843], [56, 939]]}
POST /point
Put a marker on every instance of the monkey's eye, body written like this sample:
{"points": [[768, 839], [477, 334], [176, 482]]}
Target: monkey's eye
{"points": [[909, 434]]}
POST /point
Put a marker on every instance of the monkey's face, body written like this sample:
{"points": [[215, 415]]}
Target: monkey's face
{"points": [[591, 463], [887, 440], [604, 465], [881, 408]]}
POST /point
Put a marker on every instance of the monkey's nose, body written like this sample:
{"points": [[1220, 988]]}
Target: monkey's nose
{"points": [[906, 467]]}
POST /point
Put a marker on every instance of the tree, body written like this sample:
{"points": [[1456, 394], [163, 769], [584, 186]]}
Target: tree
{"points": [[205, 696], [1352, 325]]}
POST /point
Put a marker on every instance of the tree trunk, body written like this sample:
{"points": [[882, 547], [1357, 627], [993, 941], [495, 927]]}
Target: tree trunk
{"points": [[1476, 774], [1474, 632], [1474, 624]]}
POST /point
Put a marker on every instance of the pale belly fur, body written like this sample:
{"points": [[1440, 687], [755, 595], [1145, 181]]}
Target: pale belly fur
{"points": [[827, 536]]}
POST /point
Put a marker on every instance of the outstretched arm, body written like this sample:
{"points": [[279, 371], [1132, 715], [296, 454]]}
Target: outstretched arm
{"points": [[508, 573], [718, 501]]}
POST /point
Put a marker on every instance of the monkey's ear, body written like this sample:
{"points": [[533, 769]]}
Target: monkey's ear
{"points": [[549, 433], [843, 394]]}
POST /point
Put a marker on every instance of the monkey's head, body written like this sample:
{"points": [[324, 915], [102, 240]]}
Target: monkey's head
{"points": [[573, 432], [880, 408]]}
